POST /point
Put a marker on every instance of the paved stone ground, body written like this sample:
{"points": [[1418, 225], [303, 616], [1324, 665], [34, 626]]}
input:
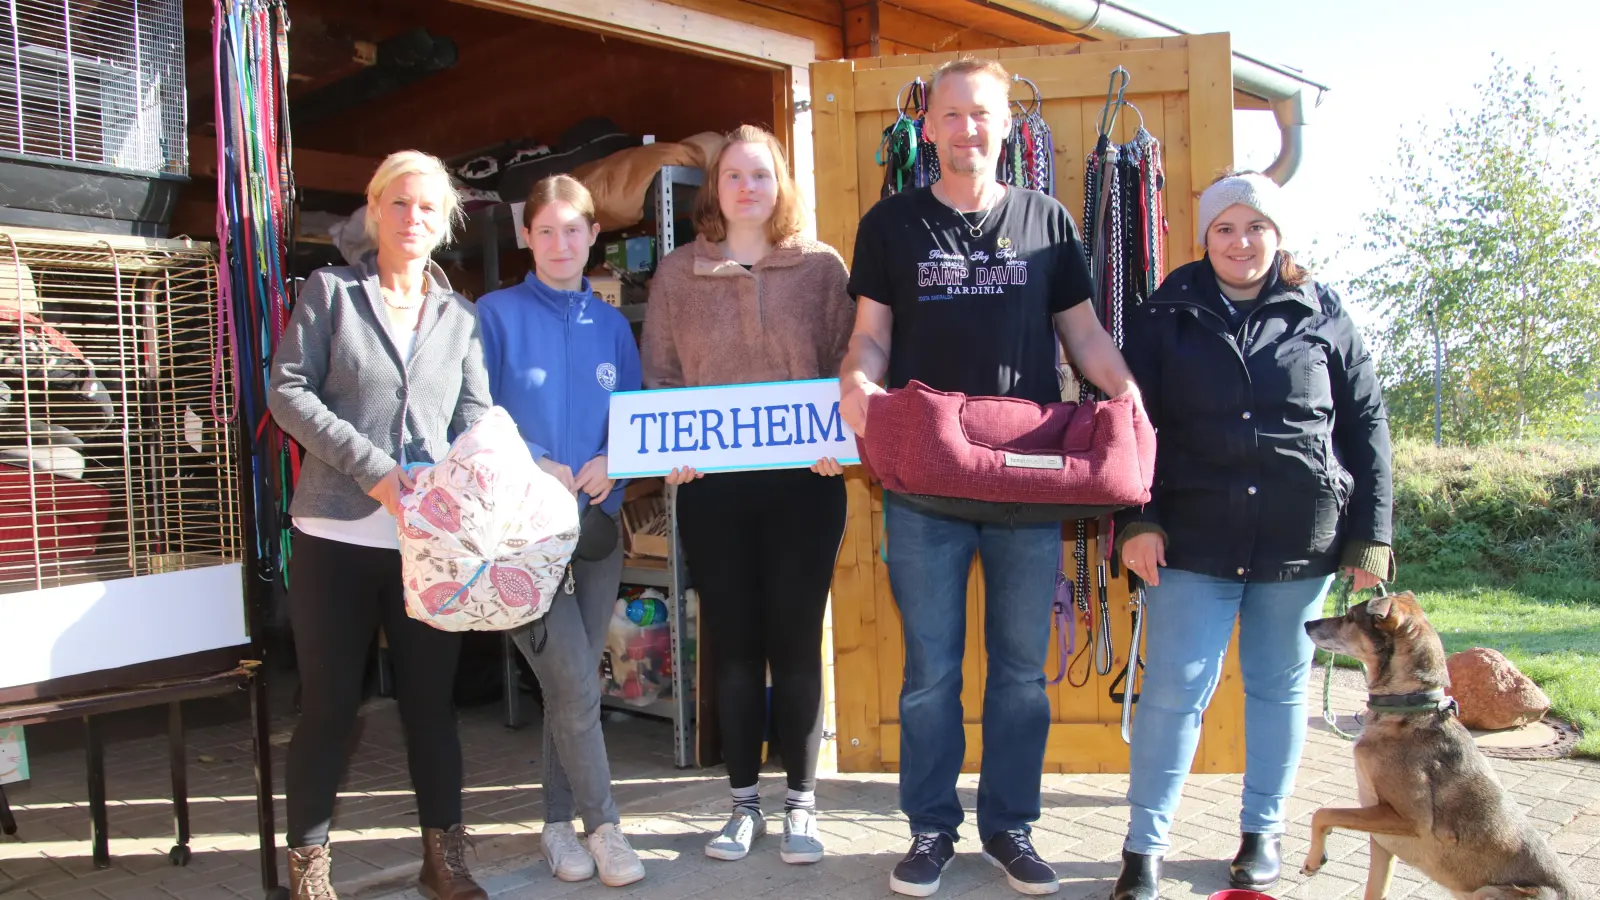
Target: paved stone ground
{"points": [[668, 813]]}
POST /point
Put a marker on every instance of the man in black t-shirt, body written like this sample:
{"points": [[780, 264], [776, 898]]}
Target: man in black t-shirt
{"points": [[965, 287]]}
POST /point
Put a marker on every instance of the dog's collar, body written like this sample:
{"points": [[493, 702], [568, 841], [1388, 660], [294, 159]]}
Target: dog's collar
{"points": [[1434, 701]]}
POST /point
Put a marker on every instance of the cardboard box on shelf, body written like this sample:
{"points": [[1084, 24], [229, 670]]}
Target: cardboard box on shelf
{"points": [[634, 255], [643, 487], [645, 529], [607, 288]]}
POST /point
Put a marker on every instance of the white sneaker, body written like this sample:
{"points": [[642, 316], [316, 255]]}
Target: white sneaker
{"points": [[614, 857], [564, 852]]}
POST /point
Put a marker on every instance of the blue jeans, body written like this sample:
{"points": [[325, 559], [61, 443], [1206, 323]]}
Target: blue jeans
{"points": [[929, 561], [1187, 629]]}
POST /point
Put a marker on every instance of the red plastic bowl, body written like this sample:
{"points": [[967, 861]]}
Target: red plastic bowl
{"points": [[1239, 894]]}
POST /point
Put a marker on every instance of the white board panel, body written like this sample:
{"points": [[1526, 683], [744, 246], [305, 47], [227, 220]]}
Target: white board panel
{"points": [[728, 428], [71, 630]]}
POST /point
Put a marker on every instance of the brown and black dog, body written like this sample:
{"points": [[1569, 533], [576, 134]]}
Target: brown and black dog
{"points": [[1427, 795]]}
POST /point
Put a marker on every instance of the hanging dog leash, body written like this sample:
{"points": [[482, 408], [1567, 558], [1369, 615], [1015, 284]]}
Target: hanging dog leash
{"points": [[1061, 618], [1129, 695], [1341, 606], [1080, 596], [1124, 228], [1105, 654]]}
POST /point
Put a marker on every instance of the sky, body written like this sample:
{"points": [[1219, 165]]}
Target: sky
{"points": [[1391, 65]]}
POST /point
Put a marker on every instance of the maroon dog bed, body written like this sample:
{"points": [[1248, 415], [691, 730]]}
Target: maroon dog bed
{"points": [[998, 459]]}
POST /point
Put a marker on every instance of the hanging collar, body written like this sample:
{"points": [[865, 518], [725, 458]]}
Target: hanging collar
{"points": [[1416, 703], [709, 259]]}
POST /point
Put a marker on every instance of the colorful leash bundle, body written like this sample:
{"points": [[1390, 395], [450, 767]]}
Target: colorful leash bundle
{"points": [[1028, 154], [255, 225], [1124, 221], [908, 158]]}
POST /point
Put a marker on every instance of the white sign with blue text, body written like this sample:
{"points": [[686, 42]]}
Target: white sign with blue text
{"points": [[728, 428]]}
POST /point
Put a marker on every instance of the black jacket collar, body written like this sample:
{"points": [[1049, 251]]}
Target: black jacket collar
{"points": [[1201, 280]]}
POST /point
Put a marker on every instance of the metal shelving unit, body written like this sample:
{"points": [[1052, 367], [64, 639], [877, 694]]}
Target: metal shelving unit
{"points": [[670, 201], [673, 580]]}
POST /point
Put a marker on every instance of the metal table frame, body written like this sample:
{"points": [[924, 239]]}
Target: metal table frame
{"points": [[170, 693]]}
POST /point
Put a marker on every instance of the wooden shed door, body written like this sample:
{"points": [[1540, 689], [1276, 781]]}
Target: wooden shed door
{"points": [[1183, 87]]}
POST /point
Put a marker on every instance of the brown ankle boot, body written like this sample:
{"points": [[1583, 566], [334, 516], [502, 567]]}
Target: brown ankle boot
{"points": [[309, 874], [444, 867]]}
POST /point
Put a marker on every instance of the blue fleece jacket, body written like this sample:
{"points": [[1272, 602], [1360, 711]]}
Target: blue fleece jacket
{"points": [[554, 357]]}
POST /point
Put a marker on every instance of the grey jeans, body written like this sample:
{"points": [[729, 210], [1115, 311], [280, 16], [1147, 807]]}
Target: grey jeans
{"points": [[577, 772]]}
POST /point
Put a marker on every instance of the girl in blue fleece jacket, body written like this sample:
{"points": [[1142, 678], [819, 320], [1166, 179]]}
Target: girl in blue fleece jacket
{"points": [[555, 352]]}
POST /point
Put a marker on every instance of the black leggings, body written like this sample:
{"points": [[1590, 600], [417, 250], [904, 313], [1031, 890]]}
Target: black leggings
{"points": [[338, 596], [761, 548]]}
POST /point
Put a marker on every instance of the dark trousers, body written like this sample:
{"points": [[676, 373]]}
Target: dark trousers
{"points": [[761, 548], [338, 596]]}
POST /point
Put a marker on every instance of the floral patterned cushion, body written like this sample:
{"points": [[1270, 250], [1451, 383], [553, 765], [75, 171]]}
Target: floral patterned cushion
{"points": [[486, 536]]}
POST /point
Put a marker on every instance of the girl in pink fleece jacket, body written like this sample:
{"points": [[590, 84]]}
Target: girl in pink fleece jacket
{"points": [[751, 300]]}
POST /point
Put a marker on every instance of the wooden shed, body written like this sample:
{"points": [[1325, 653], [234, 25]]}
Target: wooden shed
{"points": [[824, 76]]}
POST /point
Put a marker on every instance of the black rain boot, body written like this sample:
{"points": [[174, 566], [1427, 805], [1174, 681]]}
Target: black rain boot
{"points": [[1140, 878], [1258, 863]]}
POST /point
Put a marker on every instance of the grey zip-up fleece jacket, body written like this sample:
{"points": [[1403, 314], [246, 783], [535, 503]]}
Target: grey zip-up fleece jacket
{"points": [[339, 386]]}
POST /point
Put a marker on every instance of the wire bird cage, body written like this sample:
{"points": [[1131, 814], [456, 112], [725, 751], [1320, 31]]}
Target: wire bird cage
{"points": [[94, 81], [115, 386]]}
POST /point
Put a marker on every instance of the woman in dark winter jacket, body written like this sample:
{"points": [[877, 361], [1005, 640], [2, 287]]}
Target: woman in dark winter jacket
{"points": [[1272, 474]]}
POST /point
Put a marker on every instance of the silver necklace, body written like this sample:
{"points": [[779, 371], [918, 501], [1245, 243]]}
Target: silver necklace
{"points": [[975, 230]]}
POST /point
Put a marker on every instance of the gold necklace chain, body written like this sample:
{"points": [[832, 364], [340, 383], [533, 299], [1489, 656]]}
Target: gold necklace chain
{"points": [[388, 300]]}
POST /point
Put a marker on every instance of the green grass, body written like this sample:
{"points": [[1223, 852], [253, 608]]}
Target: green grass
{"points": [[1502, 546]]}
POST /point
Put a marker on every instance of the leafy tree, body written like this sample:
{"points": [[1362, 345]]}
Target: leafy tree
{"points": [[1491, 233]]}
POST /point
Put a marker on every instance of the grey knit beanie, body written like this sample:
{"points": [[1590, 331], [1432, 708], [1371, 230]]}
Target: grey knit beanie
{"points": [[1258, 192]]}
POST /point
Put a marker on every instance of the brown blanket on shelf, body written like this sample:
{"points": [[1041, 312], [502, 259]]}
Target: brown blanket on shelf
{"points": [[620, 181]]}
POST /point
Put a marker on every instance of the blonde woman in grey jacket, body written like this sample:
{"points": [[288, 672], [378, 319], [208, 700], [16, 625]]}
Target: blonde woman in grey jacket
{"points": [[381, 363]]}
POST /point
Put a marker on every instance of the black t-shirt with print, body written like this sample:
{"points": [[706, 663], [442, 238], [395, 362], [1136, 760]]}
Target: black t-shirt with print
{"points": [[972, 315]]}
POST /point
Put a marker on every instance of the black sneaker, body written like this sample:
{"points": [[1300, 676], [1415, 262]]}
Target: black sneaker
{"points": [[918, 874], [1025, 871]]}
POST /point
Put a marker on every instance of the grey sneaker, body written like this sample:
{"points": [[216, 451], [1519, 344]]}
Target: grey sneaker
{"points": [[734, 840], [800, 842]]}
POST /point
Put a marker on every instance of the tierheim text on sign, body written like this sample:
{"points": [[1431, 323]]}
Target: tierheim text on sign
{"points": [[728, 428]]}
